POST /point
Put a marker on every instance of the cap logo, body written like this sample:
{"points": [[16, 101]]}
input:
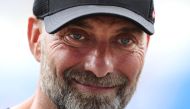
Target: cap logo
{"points": [[153, 14]]}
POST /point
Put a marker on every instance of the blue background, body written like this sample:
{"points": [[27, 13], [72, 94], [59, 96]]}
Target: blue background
{"points": [[165, 80]]}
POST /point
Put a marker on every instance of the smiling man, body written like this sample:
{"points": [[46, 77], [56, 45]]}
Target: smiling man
{"points": [[91, 52]]}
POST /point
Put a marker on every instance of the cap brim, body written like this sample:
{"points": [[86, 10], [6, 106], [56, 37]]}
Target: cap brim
{"points": [[55, 21]]}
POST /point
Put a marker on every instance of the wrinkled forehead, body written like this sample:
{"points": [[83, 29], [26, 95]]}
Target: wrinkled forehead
{"points": [[110, 20]]}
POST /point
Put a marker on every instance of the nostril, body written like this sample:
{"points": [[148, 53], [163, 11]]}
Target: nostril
{"points": [[99, 66], [99, 62]]}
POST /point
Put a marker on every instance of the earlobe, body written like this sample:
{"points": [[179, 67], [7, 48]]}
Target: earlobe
{"points": [[34, 37]]}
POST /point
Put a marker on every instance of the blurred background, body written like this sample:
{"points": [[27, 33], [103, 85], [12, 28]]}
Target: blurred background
{"points": [[165, 80]]}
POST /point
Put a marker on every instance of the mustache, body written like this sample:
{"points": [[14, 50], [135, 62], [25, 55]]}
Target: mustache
{"points": [[112, 79]]}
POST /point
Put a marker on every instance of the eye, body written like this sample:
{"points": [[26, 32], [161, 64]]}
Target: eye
{"points": [[125, 41], [76, 36]]}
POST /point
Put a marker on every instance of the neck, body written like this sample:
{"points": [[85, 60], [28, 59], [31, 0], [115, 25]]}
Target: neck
{"points": [[38, 101], [42, 101]]}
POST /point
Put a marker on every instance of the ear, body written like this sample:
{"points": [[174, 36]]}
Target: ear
{"points": [[34, 37], [148, 39]]}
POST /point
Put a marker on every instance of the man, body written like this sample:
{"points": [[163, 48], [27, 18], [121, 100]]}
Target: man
{"points": [[91, 52]]}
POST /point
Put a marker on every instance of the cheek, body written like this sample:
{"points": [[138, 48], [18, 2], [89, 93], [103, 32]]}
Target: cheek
{"points": [[65, 57], [130, 64]]}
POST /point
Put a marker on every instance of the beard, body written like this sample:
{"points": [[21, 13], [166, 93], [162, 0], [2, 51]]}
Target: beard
{"points": [[64, 95]]}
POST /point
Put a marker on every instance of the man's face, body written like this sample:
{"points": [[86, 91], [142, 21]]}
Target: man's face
{"points": [[92, 63]]}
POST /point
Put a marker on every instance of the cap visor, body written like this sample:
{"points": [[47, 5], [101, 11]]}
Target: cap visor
{"points": [[55, 21]]}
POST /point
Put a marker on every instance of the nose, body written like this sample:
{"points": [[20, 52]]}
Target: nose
{"points": [[99, 62]]}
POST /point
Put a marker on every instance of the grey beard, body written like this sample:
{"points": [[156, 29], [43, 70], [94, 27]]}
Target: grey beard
{"points": [[74, 100], [61, 92]]}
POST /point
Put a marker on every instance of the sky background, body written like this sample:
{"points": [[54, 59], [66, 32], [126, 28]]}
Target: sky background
{"points": [[165, 80]]}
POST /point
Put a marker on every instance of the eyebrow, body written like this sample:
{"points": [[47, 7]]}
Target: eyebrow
{"points": [[86, 25], [82, 24], [130, 29]]}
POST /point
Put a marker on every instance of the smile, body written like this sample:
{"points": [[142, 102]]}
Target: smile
{"points": [[94, 89]]}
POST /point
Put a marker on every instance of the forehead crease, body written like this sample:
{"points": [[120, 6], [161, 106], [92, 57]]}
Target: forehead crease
{"points": [[109, 19], [87, 22], [81, 23], [130, 29]]}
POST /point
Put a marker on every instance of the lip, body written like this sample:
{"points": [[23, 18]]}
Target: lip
{"points": [[86, 88]]}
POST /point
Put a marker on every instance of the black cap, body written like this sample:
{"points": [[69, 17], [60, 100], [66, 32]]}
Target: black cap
{"points": [[57, 13]]}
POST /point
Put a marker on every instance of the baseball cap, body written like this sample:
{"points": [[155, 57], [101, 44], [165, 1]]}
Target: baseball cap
{"points": [[57, 13]]}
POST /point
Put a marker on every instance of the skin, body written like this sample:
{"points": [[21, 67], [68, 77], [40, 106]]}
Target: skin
{"points": [[108, 50]]}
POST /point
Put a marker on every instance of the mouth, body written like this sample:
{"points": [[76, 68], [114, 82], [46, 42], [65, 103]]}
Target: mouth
{"points": [[92, 88]]}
